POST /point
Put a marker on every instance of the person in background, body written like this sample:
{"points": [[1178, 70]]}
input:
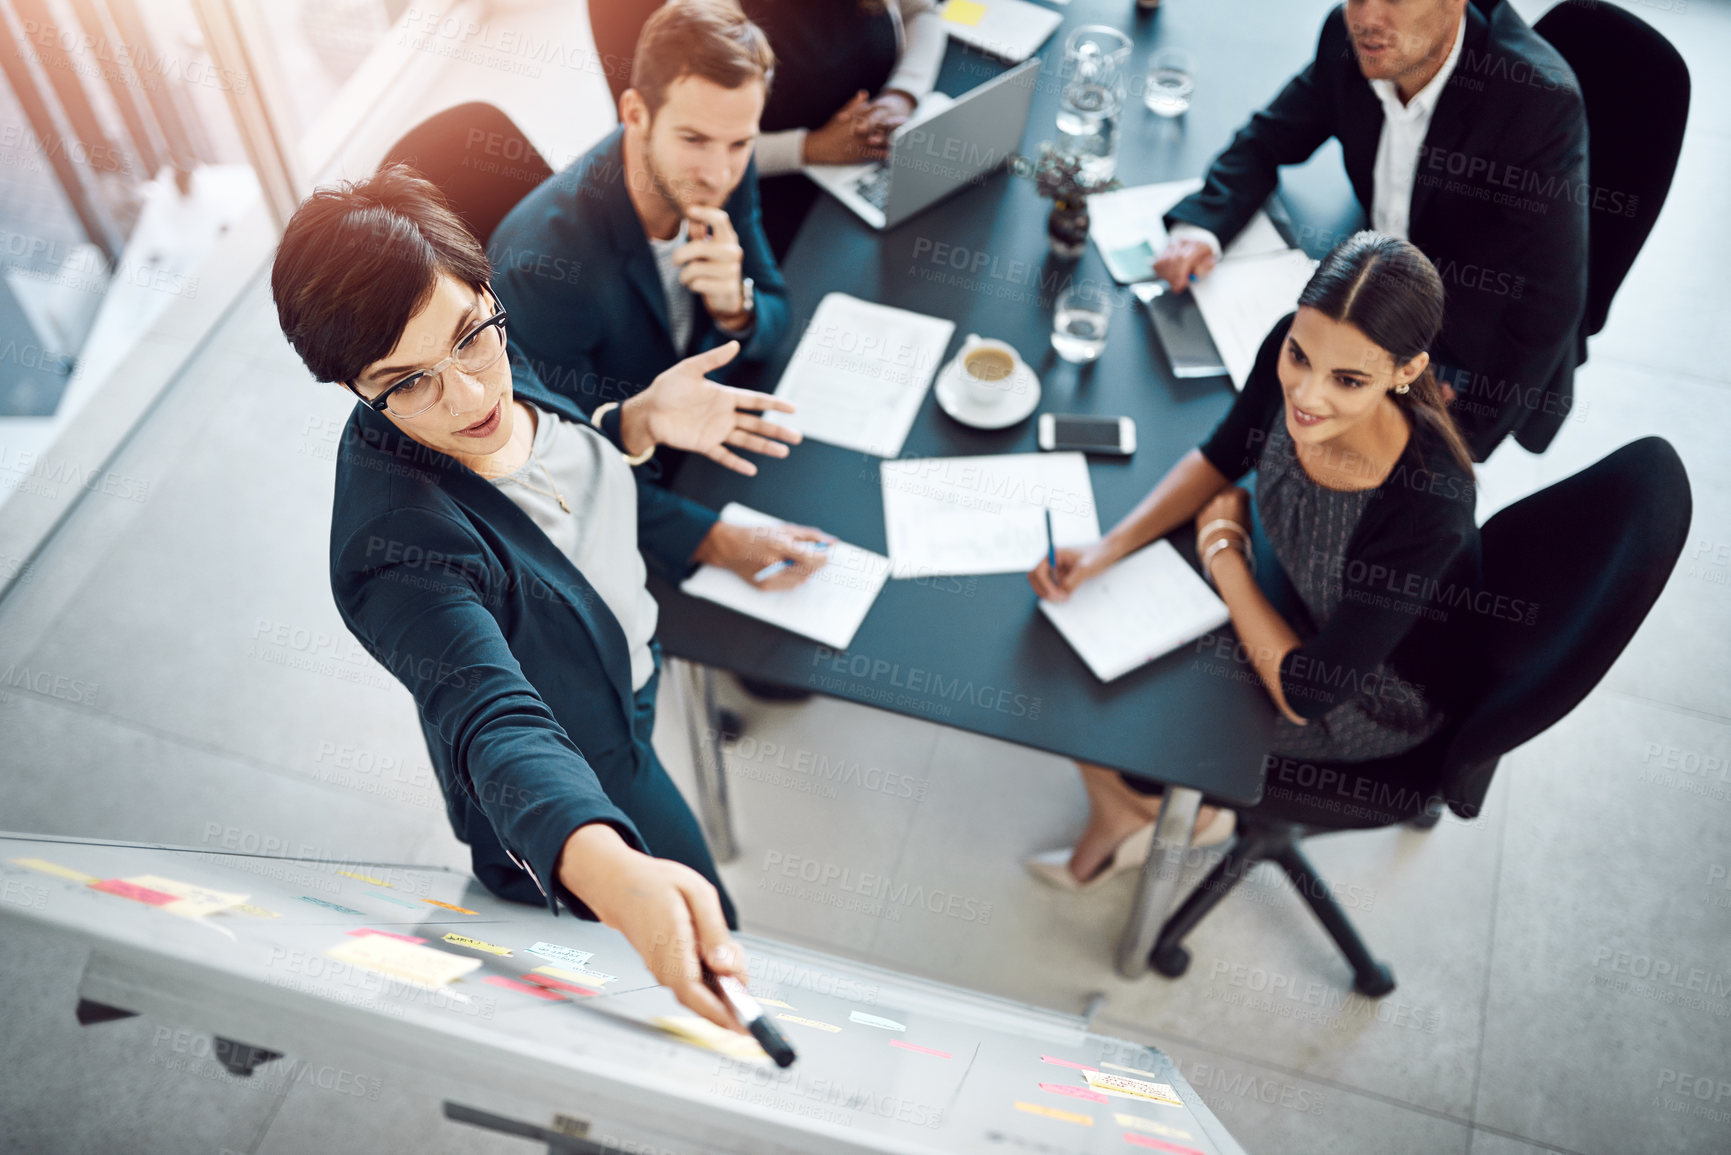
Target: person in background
{"points": [[1465, 133], [1364, 488], [848, 73], [488, 545]]}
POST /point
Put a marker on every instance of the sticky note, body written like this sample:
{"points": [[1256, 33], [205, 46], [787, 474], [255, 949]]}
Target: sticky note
{"points": [[421, 966], [397, 900], [364, 877], [917, 1049], [1135, 1088], [451, 906], [1131, 1070], [590, 978], [559, 984], [477, 944], [563, 955], [189, 900], [360, 930], [136, 893], [866, 1020], [1138, 1123], [773, 1003], [1153, 1144], [55, 869], [703, 1033], [524, 988], [968, 12], [252, 911], [808, 1022], [340, 909], [1054, 1113], [1074, 1092], [1057, 1062]]}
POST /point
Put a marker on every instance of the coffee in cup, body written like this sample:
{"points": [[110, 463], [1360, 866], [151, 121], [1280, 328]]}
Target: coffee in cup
{"points": [[989, 371]]}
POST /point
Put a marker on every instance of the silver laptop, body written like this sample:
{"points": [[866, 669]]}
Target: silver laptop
{"points": [[947, 146]]}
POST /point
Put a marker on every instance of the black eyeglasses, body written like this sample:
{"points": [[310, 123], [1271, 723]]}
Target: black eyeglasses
{"points": [[475, 352]]}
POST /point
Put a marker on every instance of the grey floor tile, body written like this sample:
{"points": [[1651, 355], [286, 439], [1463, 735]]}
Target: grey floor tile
{"points": [[1610, 995]]}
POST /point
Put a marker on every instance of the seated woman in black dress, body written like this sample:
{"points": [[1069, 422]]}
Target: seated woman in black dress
{"points": [[488, 547], [1364, 489]]}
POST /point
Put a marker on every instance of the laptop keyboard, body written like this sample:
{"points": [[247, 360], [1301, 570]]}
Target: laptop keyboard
{"points": [[874, 186]]}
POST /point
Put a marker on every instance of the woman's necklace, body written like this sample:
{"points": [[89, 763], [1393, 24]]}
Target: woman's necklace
{"points": [[554, 493]]}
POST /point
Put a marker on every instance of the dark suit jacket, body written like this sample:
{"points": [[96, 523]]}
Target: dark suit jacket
{"points": [[1498, 205], [518, 669], [573, 265]]}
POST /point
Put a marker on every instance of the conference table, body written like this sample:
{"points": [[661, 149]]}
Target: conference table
{"points": [[975, 653]]}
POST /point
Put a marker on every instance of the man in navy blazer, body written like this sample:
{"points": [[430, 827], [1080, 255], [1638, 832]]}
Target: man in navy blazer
{"points": [[650, 247], [1463, 132]]}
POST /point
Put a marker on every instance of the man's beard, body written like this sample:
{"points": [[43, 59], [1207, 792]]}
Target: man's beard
{"points": [[663, 187]]}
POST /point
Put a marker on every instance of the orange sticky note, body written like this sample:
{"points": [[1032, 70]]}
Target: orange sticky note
{"points": [[1054, 1113], [1074, 1092], [450, 906]]}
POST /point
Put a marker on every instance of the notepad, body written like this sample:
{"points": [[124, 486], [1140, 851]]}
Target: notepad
{"points": [[827, 607], [1147, 605], [860, 373], [1242, 299], [986, 514]]}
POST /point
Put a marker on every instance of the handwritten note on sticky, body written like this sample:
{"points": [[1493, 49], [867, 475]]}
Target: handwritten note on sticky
{"points": [[189, 900], [421, 966], [1135, 1088], [477, 944]]}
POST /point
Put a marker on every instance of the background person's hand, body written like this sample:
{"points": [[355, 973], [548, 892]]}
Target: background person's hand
{"points": [[684, 409], [842, 140], [1075, 566], [1182, 258], [747, 549], [670, 914], [882, 116], [712, 265]]}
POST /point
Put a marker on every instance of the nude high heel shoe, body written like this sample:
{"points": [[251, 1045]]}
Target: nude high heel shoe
{"points": [[1052, 867]]}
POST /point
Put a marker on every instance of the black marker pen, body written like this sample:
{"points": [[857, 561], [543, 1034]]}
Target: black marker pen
{"points": [[734, 994]]}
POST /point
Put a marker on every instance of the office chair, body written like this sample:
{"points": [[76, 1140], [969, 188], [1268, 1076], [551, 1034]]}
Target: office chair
{"points": [[1636, 90], [615, 24], [1591, 553], [478, 158]]}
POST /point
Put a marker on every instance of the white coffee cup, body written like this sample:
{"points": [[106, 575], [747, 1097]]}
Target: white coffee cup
{"points": [[987, 370]]}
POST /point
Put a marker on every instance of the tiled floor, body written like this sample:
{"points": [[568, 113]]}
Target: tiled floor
{"points": [[1563, 961]]}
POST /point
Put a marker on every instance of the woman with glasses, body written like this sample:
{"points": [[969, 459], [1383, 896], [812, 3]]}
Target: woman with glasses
{"points": [[488, 547]]}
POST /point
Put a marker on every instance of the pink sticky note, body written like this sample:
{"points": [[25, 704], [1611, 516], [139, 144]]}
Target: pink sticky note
{"points": [[524, 988], [133, 891], [1074, 1092], [920, 1049], [559, 984], [364, 930], [1057, 1062], [1136, 1140]]}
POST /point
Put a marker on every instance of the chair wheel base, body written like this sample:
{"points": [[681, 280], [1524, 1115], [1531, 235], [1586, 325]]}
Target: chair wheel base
{"points": [[1171, 961], [1374, 983]]}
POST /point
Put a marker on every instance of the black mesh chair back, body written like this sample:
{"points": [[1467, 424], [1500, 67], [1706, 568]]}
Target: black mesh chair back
{"points": [[478, 158], [1636, 90]]}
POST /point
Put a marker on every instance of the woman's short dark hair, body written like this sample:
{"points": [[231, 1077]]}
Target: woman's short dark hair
{"points": [[1388, 290], [357, 260]]}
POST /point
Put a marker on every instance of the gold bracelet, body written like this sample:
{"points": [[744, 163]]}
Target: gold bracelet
{"points": [[595, 420]]}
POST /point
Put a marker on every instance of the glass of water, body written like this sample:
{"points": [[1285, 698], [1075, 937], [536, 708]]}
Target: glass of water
{"points": [[1084, 310], [1170, 81]]}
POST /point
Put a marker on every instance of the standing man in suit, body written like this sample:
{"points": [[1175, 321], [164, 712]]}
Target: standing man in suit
{"points": [[1463, 132]]}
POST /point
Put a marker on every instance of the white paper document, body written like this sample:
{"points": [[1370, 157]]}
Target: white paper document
{"points": [[860, 372], [977, 515], [1147, 605], [1242, 299], [1129, 233], [827, 607]]}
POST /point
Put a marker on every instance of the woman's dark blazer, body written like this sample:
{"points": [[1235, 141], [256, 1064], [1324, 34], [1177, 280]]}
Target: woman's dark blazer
{"points": [[519, 670]]}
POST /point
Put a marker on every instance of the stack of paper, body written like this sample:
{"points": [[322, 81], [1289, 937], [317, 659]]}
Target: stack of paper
{"points": [[827, 607], [977, 515], [1147, 605], [1242, 299], [860, 373]]}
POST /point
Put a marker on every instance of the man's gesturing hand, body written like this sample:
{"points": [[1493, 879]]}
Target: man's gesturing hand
{"points": [[669, 913], [685, 410]]}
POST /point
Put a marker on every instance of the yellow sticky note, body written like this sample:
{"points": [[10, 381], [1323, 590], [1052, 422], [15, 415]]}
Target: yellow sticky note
{"points": [[1138, 1123], [364, 877], [420, 966], [1054, 1113], [808, 1023], [1134, 1088], [477, 944], [191, 901], [252, 911], [967, 12], [703, 1033], [55, 869], [587, 978]]}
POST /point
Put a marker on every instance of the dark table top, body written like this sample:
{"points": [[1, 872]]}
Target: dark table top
{"points": [[974, 652]]}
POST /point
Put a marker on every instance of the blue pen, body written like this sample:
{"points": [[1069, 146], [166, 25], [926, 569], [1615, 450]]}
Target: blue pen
{"points": [[1051, 546], [776, 567]]}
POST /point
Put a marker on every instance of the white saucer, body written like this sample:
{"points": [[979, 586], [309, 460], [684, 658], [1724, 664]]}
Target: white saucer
{"points": [[1021, 397]]}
